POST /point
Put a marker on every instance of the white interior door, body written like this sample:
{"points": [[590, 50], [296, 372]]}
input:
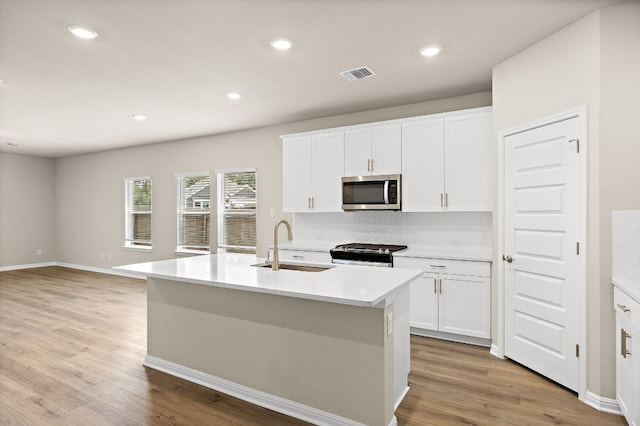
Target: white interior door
{"points": [[541, 232]]}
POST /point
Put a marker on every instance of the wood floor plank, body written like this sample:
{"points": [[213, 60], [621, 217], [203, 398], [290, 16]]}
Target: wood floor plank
{"points": [[72, 345]]}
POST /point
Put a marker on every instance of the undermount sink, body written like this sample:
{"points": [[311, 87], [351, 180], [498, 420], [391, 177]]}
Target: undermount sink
{"points": [[295, 267]]}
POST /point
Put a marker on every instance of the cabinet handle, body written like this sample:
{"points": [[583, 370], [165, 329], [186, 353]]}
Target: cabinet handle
{"points": [[368, 164], [435, 285], [438, 266], [441, 200], [623, 343], [440, 285], [313, 202], [446, 199], [623, 308], [309, 202], [372, 164], [297, 256]]}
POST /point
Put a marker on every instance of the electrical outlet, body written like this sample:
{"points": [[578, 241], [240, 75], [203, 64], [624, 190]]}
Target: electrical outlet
{"points": [[39, 252], [389, 323]]}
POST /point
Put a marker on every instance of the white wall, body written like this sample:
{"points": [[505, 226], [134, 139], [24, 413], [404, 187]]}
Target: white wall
{"points": [[593, 62], [26, 210], [92, 235]]}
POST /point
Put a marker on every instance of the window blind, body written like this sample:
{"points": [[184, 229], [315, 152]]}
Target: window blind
{"points": [[236, 203], [138, 212], [194, 212]]}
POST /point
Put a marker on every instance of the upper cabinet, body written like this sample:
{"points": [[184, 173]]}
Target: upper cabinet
{"points": [[444, 159], [468, 165], [313, 167], [447, 163], [375, 150]]}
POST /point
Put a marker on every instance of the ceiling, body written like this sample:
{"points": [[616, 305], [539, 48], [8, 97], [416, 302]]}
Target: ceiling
{"points": [[174, 61]]}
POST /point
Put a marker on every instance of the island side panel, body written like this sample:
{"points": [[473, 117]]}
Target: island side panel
{"points": [[337, 358]]}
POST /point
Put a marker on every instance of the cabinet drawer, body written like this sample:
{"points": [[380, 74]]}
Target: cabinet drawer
{"points": [[626, 307], [302, 256], [445, 266]]}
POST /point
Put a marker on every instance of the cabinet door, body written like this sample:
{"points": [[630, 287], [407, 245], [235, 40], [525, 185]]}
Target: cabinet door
{"points": [[423, 305], [465, 306], [468, 167], [423, 165], [328, 169], [386, 149], [624, 370], [297, 175], [357, 152]]}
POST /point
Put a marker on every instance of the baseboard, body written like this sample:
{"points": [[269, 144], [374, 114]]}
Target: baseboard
{"points": [[470, 340], [263, 399], [26, 266], [600, 403], [496, 351], [107, 271]]}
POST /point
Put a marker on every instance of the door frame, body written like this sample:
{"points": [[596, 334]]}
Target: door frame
{"points": [[497, 348]]}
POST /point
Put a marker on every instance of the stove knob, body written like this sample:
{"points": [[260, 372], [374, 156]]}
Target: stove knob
{"points": [[387, 251], [380, 251]]}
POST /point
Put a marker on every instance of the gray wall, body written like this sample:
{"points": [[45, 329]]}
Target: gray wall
{"points": [[93, 234], [593, 62], [27, 200]]}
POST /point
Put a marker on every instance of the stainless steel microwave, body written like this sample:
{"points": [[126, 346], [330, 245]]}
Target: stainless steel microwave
{"points": [[380, 192]]}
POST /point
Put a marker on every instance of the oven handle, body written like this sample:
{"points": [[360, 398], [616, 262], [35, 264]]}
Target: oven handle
{"points": [[357, 262]]}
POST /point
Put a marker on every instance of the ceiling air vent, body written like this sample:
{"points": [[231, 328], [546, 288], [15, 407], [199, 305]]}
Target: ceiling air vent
{"points": [[358, 73]]}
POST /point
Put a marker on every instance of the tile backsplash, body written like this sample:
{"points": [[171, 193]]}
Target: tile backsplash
{"points": [[388, 227], [625, 244]]}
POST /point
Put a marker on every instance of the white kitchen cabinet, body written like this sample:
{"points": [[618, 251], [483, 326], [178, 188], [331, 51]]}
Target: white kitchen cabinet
{"points": [[451, 296], [423, 165], [627, 356], [446, 163], [468, 165], [375, 150], [313, 166]]}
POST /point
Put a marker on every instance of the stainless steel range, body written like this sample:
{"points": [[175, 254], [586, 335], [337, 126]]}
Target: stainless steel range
{"points": [[365, 254]]}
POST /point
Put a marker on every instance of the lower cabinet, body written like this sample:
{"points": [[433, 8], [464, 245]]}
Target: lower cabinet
{"points": [[450, 297], [627, 356]]}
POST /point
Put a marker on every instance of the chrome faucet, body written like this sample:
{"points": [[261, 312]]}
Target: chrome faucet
{"points": [[276, 262]]}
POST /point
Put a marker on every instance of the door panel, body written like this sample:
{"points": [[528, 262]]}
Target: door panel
{"points": [[542, 227]]}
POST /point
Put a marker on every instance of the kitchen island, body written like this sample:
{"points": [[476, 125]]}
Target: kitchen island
{"points": [[329, 347]]}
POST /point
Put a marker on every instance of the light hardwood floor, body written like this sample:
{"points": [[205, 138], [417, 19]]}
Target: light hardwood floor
{"points": [[72, 345]]}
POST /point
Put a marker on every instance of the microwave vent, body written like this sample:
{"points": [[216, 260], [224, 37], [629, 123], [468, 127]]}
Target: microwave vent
{"points": [[358, 73]]}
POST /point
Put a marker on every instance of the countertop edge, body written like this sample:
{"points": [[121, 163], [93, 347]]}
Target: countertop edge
{"points": [[629, 287]]}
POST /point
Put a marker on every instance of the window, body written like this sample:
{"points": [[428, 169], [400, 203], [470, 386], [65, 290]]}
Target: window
{"points": [[237, 196], [137, 213], [194, 215]]}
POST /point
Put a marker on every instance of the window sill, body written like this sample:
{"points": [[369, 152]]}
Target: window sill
{"points": [[134, 248], [186, 253]]}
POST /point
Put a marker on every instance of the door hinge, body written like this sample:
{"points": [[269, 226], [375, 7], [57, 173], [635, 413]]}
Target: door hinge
{"points": [[577, 141], [578, 248], [577, 351]]}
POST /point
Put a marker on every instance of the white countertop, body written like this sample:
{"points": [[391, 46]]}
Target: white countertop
{"points": [[346, 284], [480, 254], [630, 287]]}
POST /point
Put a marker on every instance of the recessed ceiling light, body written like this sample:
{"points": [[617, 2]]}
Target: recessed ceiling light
{"points": [[281, 44], [139, 117], [430, 51], [234, 95], [82, 32]]}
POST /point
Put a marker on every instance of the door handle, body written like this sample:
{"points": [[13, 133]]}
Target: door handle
{"points": [[623, 308], [508, 258]]}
